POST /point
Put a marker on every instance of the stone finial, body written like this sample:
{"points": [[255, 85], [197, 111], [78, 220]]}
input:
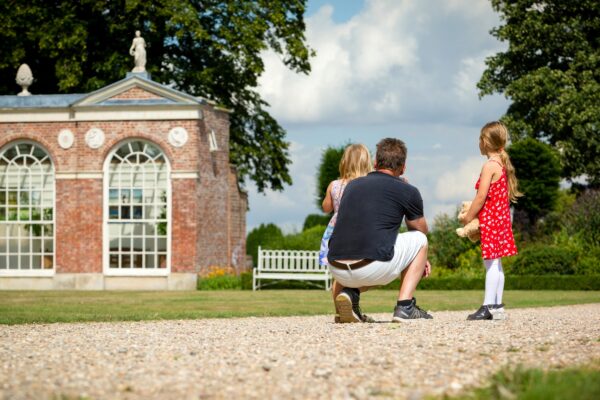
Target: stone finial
{"points": [[24, 79], [138, 51]]}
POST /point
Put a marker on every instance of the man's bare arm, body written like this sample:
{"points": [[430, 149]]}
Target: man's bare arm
{"points": [[419, 224]]}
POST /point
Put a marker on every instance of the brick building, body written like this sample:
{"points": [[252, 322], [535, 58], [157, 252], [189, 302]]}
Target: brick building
{"points": [[127, 187]]}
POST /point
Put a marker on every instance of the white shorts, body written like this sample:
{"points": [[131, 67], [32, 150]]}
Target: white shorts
{"points": [[379, 273]]}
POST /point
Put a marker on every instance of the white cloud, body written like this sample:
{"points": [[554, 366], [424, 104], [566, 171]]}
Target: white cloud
{"points": [[458, 184], [396, 60]]}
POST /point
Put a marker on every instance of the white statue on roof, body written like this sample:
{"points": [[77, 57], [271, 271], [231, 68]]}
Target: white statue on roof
{"points": [[138, 51], [24, 79]]}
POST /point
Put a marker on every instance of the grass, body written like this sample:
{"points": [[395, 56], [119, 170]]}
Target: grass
{"points": [[580, 383], [19, 307]]}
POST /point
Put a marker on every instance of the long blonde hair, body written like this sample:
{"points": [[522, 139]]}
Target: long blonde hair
{"points": [[355, 162], [494, 136]]}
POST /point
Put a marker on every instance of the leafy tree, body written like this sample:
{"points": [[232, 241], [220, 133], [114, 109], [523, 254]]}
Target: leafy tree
{"points": [[538, 170], [315, 220], [551, 73], [204, 47], [267, 236], [328, 170]]}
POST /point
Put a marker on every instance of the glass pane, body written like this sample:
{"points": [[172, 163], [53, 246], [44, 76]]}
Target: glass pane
{"points": [[150, 261], [162, 261], [125, 196], [114, 261], [161, 228], [138, 244], [24, 214], [24, 198], [138, 229], [48, 261], [3, 263], [113, 212], [48, 246], [36, 245], [24, 148], [123, 151], [36, 261], [36, 230], [12, 197], [39, 153], [137, 146], [12, 214], [36, 197], [36, 214], [2, 197], [137, 212], [48, 229], [2, 213], [113, 196], [25, 261], [138, 260], [148, 195], [162, 244], [13, 262], [48, 214], [150, 245], [126, 244], [125, 261], [149, 229], [137, 196], [13, 245], [151, 150], [149, 212], [125, 212]]}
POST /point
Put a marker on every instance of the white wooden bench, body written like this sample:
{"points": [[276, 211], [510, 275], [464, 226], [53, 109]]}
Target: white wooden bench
{"points": [[297, 265]]}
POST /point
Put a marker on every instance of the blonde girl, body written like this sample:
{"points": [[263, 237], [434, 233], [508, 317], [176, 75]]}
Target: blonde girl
{"points": [[356, 162], [496, 188]]}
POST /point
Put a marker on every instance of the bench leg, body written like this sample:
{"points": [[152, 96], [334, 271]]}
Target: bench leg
{"points": [[253, 282]]}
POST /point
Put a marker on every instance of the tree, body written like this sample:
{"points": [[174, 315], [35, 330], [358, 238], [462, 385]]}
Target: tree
{"points": [[312, 220], [267, 236], [207, 48], [538, 170], [551, 73], [328, 170]]}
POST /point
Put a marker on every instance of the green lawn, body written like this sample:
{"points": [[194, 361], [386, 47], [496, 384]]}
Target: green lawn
{"points": [[18, 307], [581, 383]]}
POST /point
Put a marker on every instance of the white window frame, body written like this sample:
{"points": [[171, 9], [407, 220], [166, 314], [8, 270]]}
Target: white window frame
{"points": [[105, 218], [35, 272]]}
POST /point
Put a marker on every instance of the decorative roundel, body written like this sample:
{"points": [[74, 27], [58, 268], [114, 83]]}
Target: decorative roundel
{"points": [[65, 138], [94, 138], [178, 136]]}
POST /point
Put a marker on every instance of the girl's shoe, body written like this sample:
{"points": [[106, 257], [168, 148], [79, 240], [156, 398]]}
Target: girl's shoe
{"points": [[497, 311], [482, 314]]}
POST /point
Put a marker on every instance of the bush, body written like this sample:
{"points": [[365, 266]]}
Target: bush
{"points": [[315, 220], [309, 239], [220, 282], [583, 219], [446, 248], [513, 282], [268, 236], [542, 259]]}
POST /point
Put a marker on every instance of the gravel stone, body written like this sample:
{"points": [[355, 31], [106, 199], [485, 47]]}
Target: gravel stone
{"points": [[288, 357]]}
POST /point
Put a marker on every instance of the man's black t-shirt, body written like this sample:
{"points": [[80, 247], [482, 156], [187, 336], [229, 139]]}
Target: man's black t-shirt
{"points": [[370, 214]]}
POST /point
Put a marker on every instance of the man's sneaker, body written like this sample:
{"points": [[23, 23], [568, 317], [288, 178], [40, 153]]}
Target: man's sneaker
{"points": [[411, 311], [347, 305], [497, 311], [482, 314]]}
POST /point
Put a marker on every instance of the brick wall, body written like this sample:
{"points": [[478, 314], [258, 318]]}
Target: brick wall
{"points": [[208, 213]]}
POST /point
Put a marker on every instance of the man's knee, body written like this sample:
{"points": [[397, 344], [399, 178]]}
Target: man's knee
{"points": [[421, 239]]}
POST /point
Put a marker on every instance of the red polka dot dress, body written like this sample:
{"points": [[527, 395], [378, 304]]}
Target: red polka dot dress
{"points": [[497, 238]]}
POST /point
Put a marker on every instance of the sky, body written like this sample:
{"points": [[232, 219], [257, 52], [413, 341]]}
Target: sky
{"points": [[384, 68]]}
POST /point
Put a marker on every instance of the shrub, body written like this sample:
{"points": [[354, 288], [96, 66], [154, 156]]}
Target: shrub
{"points": [[542, 259], [583, 219], [446, 249], [268, 236], [309, 239], [315, 220], [220, 282]]}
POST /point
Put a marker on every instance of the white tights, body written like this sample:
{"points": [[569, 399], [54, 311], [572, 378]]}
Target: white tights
{"points": [[494, 281]]}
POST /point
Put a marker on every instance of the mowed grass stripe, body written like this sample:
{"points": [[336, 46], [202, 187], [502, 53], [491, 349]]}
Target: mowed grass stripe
{"points": [[20, 307]]}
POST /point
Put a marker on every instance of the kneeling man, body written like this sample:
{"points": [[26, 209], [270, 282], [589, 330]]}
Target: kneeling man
{"points": [[365, 249]]}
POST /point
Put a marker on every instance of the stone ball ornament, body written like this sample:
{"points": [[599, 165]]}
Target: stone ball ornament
{"points": [[65, 138], [178, 136], [24, 79], [94, 138]]}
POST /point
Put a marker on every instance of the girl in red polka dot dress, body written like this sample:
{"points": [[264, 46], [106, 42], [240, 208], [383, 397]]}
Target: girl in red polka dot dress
{"points": [[496, 188]]}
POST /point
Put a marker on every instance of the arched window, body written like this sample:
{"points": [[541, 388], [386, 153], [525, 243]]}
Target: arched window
{"points": [[137, 211], [26, 209]]}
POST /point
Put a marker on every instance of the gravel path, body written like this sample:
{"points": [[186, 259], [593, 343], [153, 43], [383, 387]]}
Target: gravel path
{"points": [[291, 357]]}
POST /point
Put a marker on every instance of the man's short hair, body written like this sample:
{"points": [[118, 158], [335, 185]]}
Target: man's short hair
{"points": [[391, 154]]}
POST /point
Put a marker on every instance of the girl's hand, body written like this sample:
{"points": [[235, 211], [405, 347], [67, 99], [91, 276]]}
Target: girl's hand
{"points": [[327, 204], [427, 271]]}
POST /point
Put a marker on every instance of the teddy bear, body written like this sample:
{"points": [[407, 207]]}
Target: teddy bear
{"points": [[470, 230]]}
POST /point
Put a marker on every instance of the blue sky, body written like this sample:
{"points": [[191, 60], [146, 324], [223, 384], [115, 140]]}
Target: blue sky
{"points": [[384, 68]]}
